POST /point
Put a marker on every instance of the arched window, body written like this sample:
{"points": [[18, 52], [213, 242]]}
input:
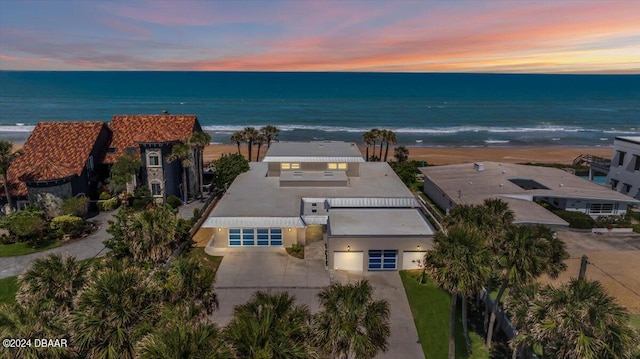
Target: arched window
{"points": [[153, 159]]}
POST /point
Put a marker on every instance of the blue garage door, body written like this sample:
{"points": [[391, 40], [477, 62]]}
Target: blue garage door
{"points": [[255, 237], [383, 259]]}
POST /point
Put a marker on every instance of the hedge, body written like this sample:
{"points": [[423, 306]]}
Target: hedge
{"points": [[576, 219]]}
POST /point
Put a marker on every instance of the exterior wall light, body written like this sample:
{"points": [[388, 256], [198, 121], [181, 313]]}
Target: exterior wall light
{"points": [[418, 247], [219, 229], [348, 248], [289, 229]]}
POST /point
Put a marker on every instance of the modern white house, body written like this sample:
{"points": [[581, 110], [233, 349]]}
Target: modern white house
{"points": [[522, 186], [624, 173], [304, 192]]}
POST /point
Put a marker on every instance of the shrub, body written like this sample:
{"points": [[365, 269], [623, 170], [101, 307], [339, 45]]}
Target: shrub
{"points": [[27, 226], [141, 203], [109, 205], [76, 206], [105, 196], [174, 201], [67, 225], [296, 248], [576, 219]]}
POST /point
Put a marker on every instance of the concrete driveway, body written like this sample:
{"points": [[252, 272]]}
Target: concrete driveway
{"points": [[580, 242], [246, 270]]}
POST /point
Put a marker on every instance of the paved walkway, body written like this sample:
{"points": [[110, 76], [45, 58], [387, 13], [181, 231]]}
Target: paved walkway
{"points": [[84, 248], [244, 271]]}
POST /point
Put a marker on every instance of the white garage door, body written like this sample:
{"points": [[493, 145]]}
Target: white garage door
{"points": [[409, 257], [348, 261]]}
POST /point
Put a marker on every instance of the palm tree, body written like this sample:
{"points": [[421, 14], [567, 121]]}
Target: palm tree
{"points": [[523, 254], [518, 304], [238, 138], [17, 321], [259, 140], [153, 235], [375, 137], [270, 326], [183, 339], [382, 137], [189, 282], [270, 133], [576, 320], [7, 155], [249, 135], [460, 263], [351, 324], [51, 283], [181, 152], [389, 137], [119, 305], [198, 141], [401, 153], [368, 139]]}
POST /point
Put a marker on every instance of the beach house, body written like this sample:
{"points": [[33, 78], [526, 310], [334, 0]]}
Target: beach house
{"points": [[522, 187], [60, 160], [305, 192], [624, 173], [152, 137]]}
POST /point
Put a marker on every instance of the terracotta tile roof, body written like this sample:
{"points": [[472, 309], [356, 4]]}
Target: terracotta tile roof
{"points": [[54, 150], [130, 130]]}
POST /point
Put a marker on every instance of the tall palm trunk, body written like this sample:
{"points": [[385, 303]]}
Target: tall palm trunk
{"points": [[250, 143], [386, 152], [452, 326], [6, 190], [380, 157], [258, 154], [494, 311], [367, 158], [200, 170], [238, 143], [465, 326], [184, 183]]}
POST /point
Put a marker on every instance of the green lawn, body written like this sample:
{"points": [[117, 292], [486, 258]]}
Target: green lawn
{"points": [[635, 321], [430, 308], [22, 248], [8, 289], [212, 262]]}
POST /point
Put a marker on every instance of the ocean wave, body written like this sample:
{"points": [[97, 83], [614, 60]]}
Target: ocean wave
{"points": [[16, 128], [496, 141]]}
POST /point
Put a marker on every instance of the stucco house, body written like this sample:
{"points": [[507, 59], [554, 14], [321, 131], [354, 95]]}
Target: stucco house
{"points": [[522, 186], [304, 192], [152, 138], [60, 160], [624, 173]]}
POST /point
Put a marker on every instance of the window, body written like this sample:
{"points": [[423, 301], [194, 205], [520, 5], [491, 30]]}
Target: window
{"points": [[383, 259], [156, 188], [621, 157], [247, 236], [255, 237], [336, 166], [289, 166], [153, 159], [601, 208], [626, 188], [636, 166], [234, 236], [263, 236], [90, 163], [614, 184]]}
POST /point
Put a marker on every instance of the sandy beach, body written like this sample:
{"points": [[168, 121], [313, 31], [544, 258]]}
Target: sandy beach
{"points": [[454, 155]]}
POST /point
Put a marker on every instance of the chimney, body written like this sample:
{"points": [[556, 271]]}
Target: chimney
{"points": [[478, 166]]}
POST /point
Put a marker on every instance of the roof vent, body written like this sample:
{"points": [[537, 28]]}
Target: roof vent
{"points": [[478, 166]]}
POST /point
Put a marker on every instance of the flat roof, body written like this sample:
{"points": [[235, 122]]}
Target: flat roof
{"points": [[253, 194], [325, 151], [378, 222], [466, 185], [632, 139]]}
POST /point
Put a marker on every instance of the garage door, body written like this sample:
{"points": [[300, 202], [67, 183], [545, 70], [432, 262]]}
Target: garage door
{"points": [[255, 237], [348, 261], [383, 259], [409, 258]]}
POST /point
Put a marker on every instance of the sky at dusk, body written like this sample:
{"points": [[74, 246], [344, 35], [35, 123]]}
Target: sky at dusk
{"points": [[297, 35]]}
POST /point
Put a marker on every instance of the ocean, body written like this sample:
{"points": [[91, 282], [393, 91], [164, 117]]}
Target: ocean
{"points": [[473, 110]]}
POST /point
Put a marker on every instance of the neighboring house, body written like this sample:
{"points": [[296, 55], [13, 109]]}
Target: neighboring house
{"points": [[60, 160], [324, 191], [152, 137], [521, 186], [624, 173]]}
